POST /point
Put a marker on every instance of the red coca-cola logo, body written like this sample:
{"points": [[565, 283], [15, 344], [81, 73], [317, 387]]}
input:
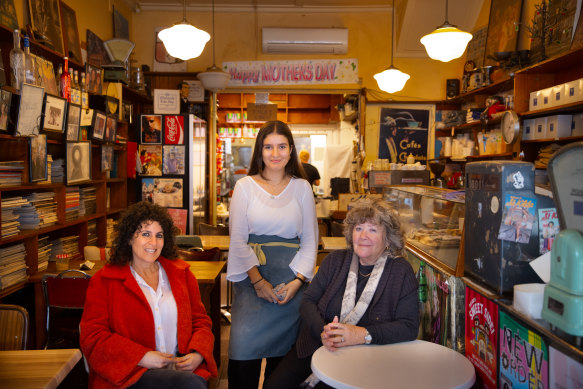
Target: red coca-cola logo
{"points": [[171, 129]]}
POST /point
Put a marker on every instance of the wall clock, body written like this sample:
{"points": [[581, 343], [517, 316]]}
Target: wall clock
{"points": [[510, 125]]}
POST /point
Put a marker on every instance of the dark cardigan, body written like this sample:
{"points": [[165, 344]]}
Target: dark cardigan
{"points": [[392, 316]]}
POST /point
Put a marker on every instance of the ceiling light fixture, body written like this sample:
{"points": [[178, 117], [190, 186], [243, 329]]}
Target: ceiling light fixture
{"points": [[183, 40], [392, 80], [447, 42], [214, 79]]}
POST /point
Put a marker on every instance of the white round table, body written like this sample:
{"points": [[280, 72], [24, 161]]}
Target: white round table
{"points": [[416, 364]]}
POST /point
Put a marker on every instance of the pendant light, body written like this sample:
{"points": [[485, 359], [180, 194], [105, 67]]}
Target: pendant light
{"points": [[183, 40], [214, 79], [392, 80], [447, 42]]}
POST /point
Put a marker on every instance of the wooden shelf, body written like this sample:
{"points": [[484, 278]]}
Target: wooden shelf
{"points": [[563, 109], [550, 140], [491, 89], [489, 156]]}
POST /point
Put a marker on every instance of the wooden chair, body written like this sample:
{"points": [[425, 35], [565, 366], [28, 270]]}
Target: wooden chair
{"points": [[13, 327], [213, 254], [208, 229], [65, 299], [336, 228], [189, 242]]}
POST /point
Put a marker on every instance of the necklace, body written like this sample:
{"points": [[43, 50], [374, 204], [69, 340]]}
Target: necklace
{"points": [[364, 275]]}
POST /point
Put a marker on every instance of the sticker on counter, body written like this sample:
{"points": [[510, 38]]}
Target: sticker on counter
{"points": [[518, 180], [548, 228], [564, 371], [517, 218]]}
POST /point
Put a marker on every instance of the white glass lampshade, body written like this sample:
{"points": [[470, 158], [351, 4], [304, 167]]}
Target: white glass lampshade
{"points": [[184, 41], [446, 43], [214, 79], [391, 80]]}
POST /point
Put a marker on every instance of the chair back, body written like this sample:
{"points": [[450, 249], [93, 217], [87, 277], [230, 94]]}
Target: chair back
{"points": [[336, 228], [208, 229], [188, 242], [213, 254], [13, 327]]}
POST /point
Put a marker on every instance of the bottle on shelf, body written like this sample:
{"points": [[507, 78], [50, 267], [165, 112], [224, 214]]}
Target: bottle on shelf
{"points": [[29, 63], [422, 279], [66, 81], [84, 94], [17, 75], [59, 74]]}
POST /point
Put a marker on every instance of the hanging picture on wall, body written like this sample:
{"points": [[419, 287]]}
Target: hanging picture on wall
{"points": [[78, 162], [70, 32], [167, 192], [8, 14], [46, 23], [38, 157], [173, 129], [46, 75], [5, 99], [73, 120], [151, 160], [179, 218], [96, 53], [164, 62], [93, 78], [30, 110], [110, 128], [403, 131], [502, 28], [173, 159], [121, 27], [106, 158], [151, 129], [98, 125], [54, 113]]}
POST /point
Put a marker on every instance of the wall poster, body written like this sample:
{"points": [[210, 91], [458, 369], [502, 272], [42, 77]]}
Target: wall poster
{"points": [[403, 131]]}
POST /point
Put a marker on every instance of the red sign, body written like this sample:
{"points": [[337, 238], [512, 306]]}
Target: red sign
{"points": [[174, 134]]}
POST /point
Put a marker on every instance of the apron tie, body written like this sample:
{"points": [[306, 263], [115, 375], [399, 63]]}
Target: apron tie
{"points": [[258, 249]]}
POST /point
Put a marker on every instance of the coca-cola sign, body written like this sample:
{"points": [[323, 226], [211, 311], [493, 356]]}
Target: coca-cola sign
{"points": [[174, 133]]}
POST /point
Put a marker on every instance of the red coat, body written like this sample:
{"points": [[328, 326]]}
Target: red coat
{"points": [[117, 327]]}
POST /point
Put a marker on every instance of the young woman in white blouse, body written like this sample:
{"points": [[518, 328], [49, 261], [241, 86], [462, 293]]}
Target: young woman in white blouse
{"points": [[272, 254]]}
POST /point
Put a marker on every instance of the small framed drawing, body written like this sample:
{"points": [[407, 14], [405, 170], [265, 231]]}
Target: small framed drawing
{"points": [[106, 158], [98, 125], [73, 122], [38, 157], [78, 162], [54, 113], [151, 129], [92, 78], [5, 99], [30, 110], [167, 101], [110, 128], [86, 117]]}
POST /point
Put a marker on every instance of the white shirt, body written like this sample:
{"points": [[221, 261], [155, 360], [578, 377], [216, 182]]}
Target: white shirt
{"points": [[290, 214], [164, 310]]}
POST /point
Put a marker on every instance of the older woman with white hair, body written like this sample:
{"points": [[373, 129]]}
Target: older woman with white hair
{"points": [[365, 294]]}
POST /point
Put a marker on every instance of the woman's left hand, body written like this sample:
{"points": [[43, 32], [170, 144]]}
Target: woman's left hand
{"points": [[292, 288], [188, 362], [338, 334]]}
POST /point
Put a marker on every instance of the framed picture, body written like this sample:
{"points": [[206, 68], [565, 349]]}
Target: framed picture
{"points": [[98, 125], [78, 162], [73, 122], [502, 32], [173, 158], [93, 78], [38, 157], [110, 128], [8, 14], [46, 75], [70, 32], [174, 129], [127, 110], [151, 129], [196, 90], [46, 23], [121, 27], [166, 192], [167, 101], [106, 158], [164, 62], [151, 160], [54, 113], [5, 99], [96, 54], [30, 110]]}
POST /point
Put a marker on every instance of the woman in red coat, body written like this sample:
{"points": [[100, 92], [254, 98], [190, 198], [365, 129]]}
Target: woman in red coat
{"points": [[144, 324]]}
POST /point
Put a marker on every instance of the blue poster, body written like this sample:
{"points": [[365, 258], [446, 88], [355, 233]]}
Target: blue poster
{"points": [[403, 132]]}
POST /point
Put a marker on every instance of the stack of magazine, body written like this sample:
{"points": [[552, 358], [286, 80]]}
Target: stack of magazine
{"points": [[11, 173], [109, 232], [44, 253], [41, 211], [65, 245], [87, 200], [72, 203], [12, 265], [58, 171], [92, 233], [10, 223]]}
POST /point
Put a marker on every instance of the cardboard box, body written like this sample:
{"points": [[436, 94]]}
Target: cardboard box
{"points": [[540, 128], [528, 129], [577, 129], [558, 95], [546, 97], [534, 102], [574, 91], [558, 126]]}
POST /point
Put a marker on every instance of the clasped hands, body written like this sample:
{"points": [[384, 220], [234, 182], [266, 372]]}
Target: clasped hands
{"points": [[159, 360], [336, 334], [264, 290]]}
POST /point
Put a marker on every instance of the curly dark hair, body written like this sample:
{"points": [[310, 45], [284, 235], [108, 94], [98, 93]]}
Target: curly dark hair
{"points": [[131, 222], [376, 211], [293, 167]]}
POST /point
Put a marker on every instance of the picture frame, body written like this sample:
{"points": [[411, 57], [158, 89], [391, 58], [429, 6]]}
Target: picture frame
{"points": [[167, 101], [30, 108], [110, 128], [78, 162], [73, 122], [46, 75], [93, 78], [98, 125], [121, 27], [151, 129], [173, 159], [38, 158], [96, 54], [502, 35], [196, 91], [150, 160], [8, 14], [106, 158], [70, 31], [45, 20], [54, 112], [5, 101], [127, 111]]}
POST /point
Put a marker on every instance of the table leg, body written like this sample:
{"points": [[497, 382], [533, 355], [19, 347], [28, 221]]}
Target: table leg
{"points": [[211, 298], [40, 316]]}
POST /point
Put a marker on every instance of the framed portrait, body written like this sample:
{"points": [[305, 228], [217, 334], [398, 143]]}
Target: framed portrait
{"points": [[98, 125], [110, 128], [121, 28], [93, 78], [73, 122], [38, 157], [70, 32], [8, 14], [5, 99], [30, 110], [46, 23], [96, 54], [151, 160], [167, 101], [78, 162], [54, 113], [151, 129], [106, 158], [502, 32], [173, 159]]}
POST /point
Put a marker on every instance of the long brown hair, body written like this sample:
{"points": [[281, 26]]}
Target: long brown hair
{"points": [[293, 167]]}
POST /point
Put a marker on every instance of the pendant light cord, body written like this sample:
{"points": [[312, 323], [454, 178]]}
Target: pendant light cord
{"points": [[392, 32], [446, 21], [184, 11], [214, 37]]}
